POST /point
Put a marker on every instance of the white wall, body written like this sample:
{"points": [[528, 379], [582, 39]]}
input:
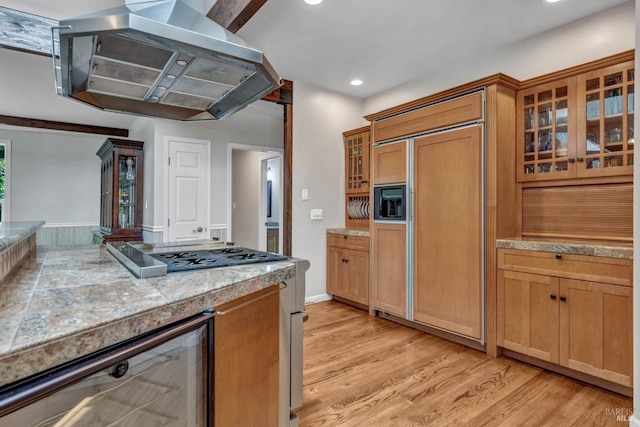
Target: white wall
{"points": [[55, 176], [606, 33], [319, 118], [246, 218], [260, 124]]}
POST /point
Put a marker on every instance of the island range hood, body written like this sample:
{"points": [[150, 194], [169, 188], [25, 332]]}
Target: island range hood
{"points": [[160, 58]]}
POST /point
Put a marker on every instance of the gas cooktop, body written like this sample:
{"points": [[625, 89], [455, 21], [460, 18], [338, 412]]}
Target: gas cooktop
{"points": [[151, 260], [192, 260]]}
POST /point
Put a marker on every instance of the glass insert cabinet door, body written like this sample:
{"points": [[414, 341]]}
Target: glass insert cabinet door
{"points": [[546, 131], [357, 162], [127, 175], [606, 134]]}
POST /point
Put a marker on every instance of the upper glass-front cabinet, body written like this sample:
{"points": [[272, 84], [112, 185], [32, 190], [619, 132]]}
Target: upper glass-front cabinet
{"points": [[357, 161], [545, 127], [606, 136], [577, 127]]}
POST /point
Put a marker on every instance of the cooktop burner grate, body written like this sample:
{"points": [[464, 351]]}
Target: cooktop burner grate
{"points": [[192, 260]]}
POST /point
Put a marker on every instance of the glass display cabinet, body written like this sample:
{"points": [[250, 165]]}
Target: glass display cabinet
{"points": [[606, 140], [578, 127], [545, 129], [357, 160], [357, 143], [120, 190]]}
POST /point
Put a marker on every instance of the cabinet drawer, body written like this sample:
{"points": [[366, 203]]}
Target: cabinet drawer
{"points": [[348, 242], [596, 269]]}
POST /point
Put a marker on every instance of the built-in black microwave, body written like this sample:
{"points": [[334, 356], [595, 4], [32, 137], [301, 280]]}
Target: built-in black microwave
{"points": [[390, 203]]}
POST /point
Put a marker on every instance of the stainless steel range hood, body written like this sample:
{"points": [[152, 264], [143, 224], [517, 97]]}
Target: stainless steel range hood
{"points": [[160, 59]]}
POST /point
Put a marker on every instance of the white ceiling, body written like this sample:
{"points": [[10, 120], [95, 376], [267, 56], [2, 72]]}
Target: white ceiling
{"points": [[383, 43], [387, 43]]}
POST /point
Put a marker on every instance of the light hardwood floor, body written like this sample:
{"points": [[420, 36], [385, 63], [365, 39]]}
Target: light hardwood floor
{"points": [[365, 371]]}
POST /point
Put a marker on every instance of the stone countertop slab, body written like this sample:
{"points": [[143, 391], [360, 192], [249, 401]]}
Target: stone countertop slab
{"points": [[348, 232], [65, 302], [16, 231], [576, 247]]}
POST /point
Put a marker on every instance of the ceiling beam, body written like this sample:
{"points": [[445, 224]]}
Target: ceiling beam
{"points": [[233, 14], [70, 127]]}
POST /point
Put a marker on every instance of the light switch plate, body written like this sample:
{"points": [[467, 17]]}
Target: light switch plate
{"points": [[305, 194], [316, 213]]}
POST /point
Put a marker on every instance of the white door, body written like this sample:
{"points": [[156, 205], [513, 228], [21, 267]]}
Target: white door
{"points": [[188, 198]]}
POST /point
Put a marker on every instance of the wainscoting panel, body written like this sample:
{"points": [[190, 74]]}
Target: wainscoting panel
{"points": [[59, 235]]}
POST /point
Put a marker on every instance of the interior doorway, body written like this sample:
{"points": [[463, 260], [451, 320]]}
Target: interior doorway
{"points": [[255, 197], [188, 189]]}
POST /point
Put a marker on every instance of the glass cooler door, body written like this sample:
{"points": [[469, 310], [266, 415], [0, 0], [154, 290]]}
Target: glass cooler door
{"points": [[158, 380]]}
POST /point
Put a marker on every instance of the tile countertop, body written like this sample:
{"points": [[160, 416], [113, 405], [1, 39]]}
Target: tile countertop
{"points": [[576, 247], [348, 232], [14, 232], [64, 302]]}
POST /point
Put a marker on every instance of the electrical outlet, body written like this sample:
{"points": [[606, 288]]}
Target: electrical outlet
{"points": [[316, 213]]}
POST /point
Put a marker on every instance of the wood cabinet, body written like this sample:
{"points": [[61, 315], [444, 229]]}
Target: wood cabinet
{"points": [[357, 144], [348, 267], [390, 163], [121, 190], [605, 121], [246, 360], [571, 310], [492, 102], [448, 231], [390, 268], [577, 127]]}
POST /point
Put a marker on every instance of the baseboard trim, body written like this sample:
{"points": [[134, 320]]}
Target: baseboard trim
{"points": [[317, 298], [571, 373]]}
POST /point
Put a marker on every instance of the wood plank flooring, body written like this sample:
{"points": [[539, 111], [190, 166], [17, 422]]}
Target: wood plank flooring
{"points": [[365, 371]]}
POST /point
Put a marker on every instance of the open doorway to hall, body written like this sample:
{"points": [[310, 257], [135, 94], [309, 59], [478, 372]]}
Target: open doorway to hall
{"points": [[256, 198]]}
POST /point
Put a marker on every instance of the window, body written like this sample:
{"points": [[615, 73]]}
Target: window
{"points": [[5, 159]]}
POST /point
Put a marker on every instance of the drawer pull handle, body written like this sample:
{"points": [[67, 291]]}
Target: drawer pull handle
{"points": [[345, 260], [563, 298], [552, 296], [558, 256]]}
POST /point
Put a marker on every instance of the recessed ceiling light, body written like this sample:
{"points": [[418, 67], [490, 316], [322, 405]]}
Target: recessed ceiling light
{"points": [[356, 82], [552, 1], [313, 2]]}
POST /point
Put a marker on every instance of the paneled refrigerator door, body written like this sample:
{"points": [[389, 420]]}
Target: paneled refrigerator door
{"points": [[448, 231]]}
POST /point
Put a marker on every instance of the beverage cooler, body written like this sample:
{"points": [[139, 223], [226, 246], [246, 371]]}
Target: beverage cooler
{"points": [[162, 378]]}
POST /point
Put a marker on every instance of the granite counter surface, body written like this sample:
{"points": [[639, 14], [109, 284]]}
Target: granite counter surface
{"points": [[64, 302], [591, 248], [348, 232], [16, 231]]}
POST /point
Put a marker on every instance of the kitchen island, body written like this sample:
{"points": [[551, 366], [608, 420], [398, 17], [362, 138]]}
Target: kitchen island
{"points": [[66, 302]]}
